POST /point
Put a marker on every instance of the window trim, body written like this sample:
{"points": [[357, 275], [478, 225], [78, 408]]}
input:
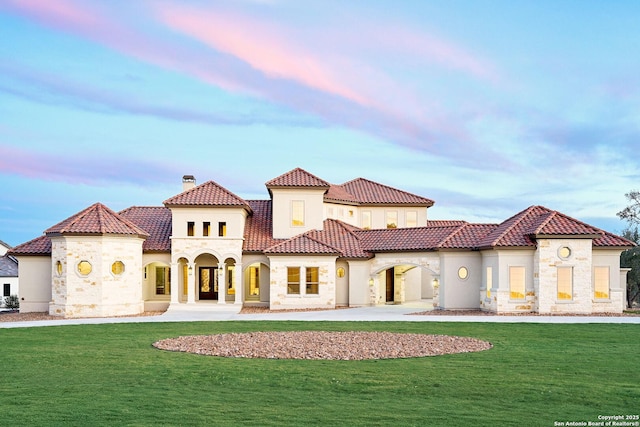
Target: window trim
{"points": [[389, 224], [308, 282], [291, 283], [414, 220]]}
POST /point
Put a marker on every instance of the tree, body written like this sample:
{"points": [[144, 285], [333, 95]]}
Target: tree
{"points": [[631, 213], [631, 259]]}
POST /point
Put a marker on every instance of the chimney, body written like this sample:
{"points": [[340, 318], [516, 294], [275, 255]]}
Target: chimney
{"points": [[188, 182]]}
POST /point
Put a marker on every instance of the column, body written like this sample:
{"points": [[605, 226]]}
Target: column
{"points": [[239, 278], [191, 283], [222, 284], [175, 286]]}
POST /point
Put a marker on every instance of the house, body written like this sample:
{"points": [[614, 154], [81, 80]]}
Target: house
{"points": [[313, 244], [8, 273]]}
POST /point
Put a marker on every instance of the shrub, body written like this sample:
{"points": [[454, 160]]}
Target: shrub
{"points": [[12, 302]]}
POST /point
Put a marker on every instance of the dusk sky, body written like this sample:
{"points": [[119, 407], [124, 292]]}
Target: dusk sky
{"points": [[486, 107]]}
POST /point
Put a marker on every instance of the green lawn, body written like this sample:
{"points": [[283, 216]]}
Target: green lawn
{"points": [[536, 374]]}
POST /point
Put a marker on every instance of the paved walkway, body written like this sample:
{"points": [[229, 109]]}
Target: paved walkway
{"points": [[391, 313]]}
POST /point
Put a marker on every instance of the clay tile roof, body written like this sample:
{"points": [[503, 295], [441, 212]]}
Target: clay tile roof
{"points": [[297, 178], [337, 193], [443, 222], [611, 240], [342, 236], [96, 219], [38, 246], [302, 244], [367, 192], [556, 223], [258, 234], [8, 266], [404, 239], [467, 236], [155, 220], [207, 194]]}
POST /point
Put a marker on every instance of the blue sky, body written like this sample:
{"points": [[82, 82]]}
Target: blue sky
{"points": [[487, 107]]}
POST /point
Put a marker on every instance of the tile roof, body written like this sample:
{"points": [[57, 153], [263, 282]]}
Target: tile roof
{"points": [[207, 194], [366, 192], [612, 241], [297, 178], [404, 239], [96, 219], [467, 236], [38, 246], [302, 244], [342, 236], [442, 222], [155, 220], [8, 266], [258, 234]]}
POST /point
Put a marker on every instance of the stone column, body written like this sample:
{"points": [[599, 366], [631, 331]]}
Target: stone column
{"points": [[191, 283], [239, 278], [175, 287], [222, 284]]}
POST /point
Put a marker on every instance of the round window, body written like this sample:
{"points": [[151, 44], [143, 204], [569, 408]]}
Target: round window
{"points": [[564, 252], [463, 273], [340, 272], [117, 268], [84, 268]]}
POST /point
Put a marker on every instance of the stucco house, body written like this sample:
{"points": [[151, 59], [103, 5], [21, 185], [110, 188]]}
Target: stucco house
{"points": [[313, 244], [8, 273]]}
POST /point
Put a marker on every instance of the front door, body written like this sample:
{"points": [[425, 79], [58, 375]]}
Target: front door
{"points": [[208, 288], [390, 285]]}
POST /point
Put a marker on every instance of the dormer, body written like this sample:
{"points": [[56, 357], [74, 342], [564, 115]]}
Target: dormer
{"points": [[297, 199]]}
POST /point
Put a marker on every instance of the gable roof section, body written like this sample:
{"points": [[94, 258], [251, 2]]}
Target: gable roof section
{"points": [[341, 236], [366, 192], [258, 229], [156, 220], [96, 219], [297, 178], [207, 194], [302, 244], [466, 236], [404, 239], [8, 266], [38, 246]]}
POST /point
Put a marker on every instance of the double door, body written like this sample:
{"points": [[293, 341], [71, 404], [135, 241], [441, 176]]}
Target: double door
{"points": [[208, 288]]}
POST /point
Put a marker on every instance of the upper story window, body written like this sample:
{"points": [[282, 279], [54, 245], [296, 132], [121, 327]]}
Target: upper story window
{"points": [[206, 229], [222, 229], [297, 213], [117, 268], [190, 228], [366, 220], [412, 219], [392, 219]]}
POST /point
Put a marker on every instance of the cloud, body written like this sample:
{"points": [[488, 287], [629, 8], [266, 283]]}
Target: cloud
{"points": [[76, 168]]}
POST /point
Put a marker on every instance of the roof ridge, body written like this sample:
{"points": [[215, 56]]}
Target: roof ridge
{"points": [[546, 221], [522, 215], [455, 231], [308, 236]]}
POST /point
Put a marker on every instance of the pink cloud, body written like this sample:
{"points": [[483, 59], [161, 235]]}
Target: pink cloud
{"points": [[266, 48]]}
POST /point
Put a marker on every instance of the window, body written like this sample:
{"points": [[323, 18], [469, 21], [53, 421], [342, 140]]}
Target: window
{"points": [[84, 268], [163, 281], [185, 279], [412, 219], [516, 282], [7, 290], [206, 229], [293, 280], [340, 272], [601, 283], [463, 273], [564, 252], [366, 220], [350, 213], [489, 281], [231, 284], [312, 280], [392, 219], [222, 229], [297, 213], [254, 281], [565, 283], [190, 227], [58, 268], [117, 268]]}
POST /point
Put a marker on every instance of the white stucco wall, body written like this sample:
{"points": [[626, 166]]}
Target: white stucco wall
{"points": [[34, 283], [616, 302], [100, 293], [359, 273], [456, 293], [233, 217], [280, 299], [282, 211], [342, 284]]}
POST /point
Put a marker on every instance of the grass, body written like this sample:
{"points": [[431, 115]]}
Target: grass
{"points": [[536, 374]]}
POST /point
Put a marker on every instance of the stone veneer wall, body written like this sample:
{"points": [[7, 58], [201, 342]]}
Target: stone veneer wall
{"points": [[281, 300], [546, 283], [101, 293]]}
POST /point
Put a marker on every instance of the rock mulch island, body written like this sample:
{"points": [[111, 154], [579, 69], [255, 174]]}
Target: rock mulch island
{"points": [[323, 345]]}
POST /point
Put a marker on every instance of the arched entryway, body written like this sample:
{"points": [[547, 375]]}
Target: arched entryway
{"points": [[404, 283]]}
